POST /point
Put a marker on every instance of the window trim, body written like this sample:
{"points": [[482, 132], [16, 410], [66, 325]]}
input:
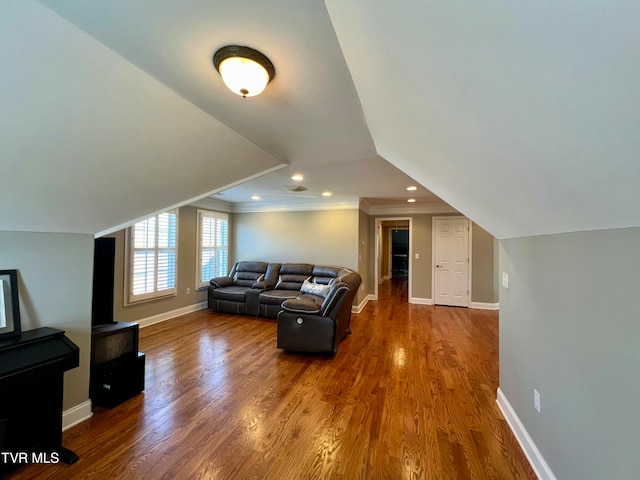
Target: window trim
{"points": [[212, 214], [129, 297]]}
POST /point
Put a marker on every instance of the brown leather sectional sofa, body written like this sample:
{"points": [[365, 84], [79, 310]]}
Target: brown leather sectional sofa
{"points": [[312, 303]]}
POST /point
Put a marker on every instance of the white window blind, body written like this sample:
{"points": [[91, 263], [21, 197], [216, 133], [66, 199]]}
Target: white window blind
{"points": [[213, 246], [152, 257]]}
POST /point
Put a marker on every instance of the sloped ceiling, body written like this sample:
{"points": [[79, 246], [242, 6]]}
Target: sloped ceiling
{"points": [[522, 115], [89, 142], [310, 112]]}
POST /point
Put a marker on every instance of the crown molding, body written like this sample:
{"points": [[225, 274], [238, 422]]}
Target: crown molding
{"points": [[213, 204], [361, 204], [292, 207], [403, 210], [365, 206]]}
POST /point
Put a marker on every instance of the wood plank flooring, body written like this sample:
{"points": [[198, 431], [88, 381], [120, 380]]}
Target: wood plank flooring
{"points": [[410, 395]]}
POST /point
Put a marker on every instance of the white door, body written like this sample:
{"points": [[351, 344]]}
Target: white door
{"points": [[451, 256]]}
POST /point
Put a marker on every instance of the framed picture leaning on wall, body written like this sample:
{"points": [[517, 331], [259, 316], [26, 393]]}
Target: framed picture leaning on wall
{"points": [[9, 304]]}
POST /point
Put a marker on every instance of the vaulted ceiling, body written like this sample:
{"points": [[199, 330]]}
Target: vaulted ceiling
{"points": [[521, 115]]}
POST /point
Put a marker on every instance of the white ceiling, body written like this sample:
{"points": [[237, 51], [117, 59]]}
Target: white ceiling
{"points": [[522, 115], [373, 184]]}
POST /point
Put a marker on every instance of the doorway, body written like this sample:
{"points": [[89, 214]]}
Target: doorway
{"points": [[399, 252], [393, 252]]}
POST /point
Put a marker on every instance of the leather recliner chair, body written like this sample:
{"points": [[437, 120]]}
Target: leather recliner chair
{"points": [[239, 291], [306, 325]]}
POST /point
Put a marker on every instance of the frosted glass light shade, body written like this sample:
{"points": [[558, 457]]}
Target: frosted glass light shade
{"points": [[243, 76], [245, 71]]}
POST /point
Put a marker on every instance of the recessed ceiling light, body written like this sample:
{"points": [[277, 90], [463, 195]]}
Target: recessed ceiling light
{"points": [[255, 197], [327, 194], [411, 200], [297, 177], [412, 188]]}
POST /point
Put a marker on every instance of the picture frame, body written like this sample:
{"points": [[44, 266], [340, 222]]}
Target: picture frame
{"points": [[9, 304]]}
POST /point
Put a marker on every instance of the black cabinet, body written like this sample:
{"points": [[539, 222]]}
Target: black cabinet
{"points": [[32, 367], [117, 368], [118, 380]]}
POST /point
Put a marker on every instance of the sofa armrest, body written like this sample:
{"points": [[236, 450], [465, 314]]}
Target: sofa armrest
{"points": [[221, 282], [297, 305], [263, 285]]}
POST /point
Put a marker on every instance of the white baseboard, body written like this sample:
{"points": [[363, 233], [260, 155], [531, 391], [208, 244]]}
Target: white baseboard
{"points": [[360, 307], [161, 317], [485, 306], [529, 448], [421, 301], [478, 305], [76, 415]]}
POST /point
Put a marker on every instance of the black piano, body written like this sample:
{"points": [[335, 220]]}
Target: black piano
{"points": [[32, 367]]}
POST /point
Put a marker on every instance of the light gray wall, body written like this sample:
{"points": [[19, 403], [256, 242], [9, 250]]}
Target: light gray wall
{"points": [[325, 237], [421, 241], [483, 274], [570, 328], [187, 246], [55, 279]]}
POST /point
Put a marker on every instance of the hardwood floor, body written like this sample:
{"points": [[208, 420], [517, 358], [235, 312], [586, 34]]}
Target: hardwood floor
{"points": [[410, 395]]}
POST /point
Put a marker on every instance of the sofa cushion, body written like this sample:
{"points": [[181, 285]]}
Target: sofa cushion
{"points": [[293, 275], [291, 282], [315, 288], [324, 275], [246, 274], [247, 279], [296, 269], [276, 297], [252, 267]]}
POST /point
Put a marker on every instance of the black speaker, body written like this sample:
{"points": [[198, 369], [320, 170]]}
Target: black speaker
{"points": [[104, 256]]}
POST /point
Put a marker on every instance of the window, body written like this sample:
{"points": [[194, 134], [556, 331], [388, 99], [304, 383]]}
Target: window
{"points": [[213, 246], [152, 257]]}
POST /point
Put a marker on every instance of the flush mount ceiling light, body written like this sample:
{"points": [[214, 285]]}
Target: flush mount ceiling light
{"points": [[297, 177], [411, 200], [412, 188], [245, 71]]}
